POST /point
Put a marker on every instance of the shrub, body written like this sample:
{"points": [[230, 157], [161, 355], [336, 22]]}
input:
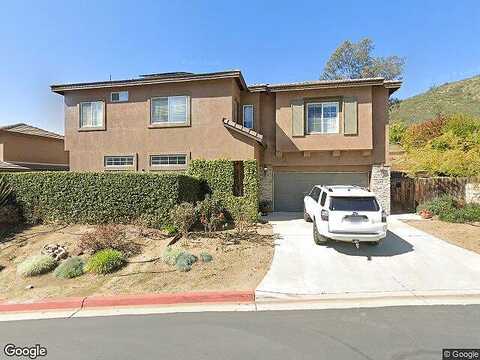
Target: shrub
{"points": [[418, 135], [170, 255], [70, 268], [10, 215], [211, 213], [5, 192], [98, 198], [218, 176], [105, 261], [107, 237], [439, 205], [205, 257], [36, 265], [185, 261], [183, 216], [466, 214], [170, 229], [448, 209], [396, 132], [240, 216]]}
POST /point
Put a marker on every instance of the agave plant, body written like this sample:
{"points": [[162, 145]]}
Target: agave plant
{"points": [[5, 192]]}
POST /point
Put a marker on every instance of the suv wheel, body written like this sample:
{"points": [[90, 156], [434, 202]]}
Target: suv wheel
{"points": [[306, 217], [319, 239]]}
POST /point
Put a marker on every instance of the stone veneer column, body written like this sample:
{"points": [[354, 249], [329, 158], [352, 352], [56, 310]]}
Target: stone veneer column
{"points": [[266, 184], [380, 185]]}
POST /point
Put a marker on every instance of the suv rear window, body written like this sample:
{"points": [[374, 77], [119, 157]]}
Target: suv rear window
{"points": [[360, 203]]}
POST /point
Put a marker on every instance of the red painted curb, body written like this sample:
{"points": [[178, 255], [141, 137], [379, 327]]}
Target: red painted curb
{"points": [[50, 304], [166, 299], [131, 300]]}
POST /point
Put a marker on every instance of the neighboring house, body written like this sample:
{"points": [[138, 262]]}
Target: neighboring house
{"points": [[27, 148], [305, 133]]}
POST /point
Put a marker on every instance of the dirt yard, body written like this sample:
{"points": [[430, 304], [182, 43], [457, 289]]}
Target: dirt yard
{"points": [[235, 266], [464, 235]]}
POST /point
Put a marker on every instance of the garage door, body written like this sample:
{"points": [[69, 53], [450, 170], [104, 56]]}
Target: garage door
{"points": [[290, 187]]}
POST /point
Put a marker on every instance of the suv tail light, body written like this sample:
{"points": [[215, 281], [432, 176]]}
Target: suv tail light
{"points": [[324, 215], [384, 216]]}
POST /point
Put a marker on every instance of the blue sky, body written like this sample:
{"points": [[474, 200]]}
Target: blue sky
{"points": [[46, 42]]}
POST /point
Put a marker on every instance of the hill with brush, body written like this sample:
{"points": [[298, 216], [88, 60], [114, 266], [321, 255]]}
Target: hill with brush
{"points": [[456, 97]]}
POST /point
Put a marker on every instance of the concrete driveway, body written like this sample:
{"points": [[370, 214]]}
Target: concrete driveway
{"points": [[408, 261]]}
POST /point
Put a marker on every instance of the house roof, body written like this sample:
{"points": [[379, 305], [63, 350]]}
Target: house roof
{"points": [[175, 77], [392, 85], [150, 79], [6, 166], [22, 128]]}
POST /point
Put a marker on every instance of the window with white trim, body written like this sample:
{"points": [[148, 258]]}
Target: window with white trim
{"points": [[168, 160], [322, 118], [91, 114], [171, 109], [248, 116], [119, 96], [119, 161]]}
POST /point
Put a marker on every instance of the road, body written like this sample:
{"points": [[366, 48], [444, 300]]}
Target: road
{"points": [[377, 333]]}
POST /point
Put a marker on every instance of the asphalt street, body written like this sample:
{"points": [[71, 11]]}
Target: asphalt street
{"points": [[376, 333]]}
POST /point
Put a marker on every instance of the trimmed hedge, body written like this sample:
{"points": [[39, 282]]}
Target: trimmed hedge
{"points": [[95, 198], [219, 178]]}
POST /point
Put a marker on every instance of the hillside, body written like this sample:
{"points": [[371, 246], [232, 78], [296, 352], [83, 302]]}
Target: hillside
{"points": [[457, 97]]}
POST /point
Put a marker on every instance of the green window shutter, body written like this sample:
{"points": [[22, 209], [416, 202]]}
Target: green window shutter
{"points": [[298, 121], [350, 117]]}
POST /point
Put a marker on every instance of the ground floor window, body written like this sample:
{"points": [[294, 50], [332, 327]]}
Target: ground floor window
{"points": [[118, 161], [166, 160]]}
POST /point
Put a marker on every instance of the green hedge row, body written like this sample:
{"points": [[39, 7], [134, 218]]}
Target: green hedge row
{"points": [[94, 198], [219, 178]]}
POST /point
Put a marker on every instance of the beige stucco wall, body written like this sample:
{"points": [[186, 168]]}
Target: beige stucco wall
{"points": [[317, 151], [127, 126], [32, 149], [285, 142]]}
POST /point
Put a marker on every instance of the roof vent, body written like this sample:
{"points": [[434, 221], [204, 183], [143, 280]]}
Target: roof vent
{"points": [[167, 74]]}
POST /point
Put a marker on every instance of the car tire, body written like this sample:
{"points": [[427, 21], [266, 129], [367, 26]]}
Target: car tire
{"points": [[317, 238], [306, 217]]}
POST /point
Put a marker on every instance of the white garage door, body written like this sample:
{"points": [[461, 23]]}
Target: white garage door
{"points": [[289, 188]]}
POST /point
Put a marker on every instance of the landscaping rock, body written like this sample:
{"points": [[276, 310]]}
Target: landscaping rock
{"points": [[57, 252]]}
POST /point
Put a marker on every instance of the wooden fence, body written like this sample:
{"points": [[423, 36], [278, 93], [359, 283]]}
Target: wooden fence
{"points": [[407, 192]]}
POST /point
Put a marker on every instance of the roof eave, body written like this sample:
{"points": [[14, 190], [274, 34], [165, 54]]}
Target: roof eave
{"points": [[234, 74]]}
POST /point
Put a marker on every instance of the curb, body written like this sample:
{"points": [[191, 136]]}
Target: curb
{"points": [[130, 300]]}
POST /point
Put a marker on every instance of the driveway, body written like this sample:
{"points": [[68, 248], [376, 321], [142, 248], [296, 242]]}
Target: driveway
{"points": [[408, 260]]}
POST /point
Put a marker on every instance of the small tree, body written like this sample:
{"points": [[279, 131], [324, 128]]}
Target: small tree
{"points": [[183, 217], [211, 213], [355, 61]]}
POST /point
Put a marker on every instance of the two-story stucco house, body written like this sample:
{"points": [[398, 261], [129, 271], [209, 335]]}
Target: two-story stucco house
{"points": [[305, 133]]}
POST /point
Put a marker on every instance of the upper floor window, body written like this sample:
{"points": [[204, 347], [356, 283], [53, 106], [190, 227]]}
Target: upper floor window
{"points": [[91, 114], [322, 118], [119, 96], [248, 116], [171, 109]]}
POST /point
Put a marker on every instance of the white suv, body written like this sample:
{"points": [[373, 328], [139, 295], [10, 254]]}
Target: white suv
{"points": [[345, 213]]}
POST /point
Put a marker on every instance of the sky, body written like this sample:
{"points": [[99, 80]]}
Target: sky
{"points": [[54, 42]]}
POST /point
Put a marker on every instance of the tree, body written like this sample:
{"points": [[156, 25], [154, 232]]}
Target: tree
{"points": [[355, 61]]}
